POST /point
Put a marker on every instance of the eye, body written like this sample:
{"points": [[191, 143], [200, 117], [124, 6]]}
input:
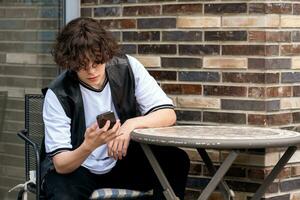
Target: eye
{"points": [[94, 65]]}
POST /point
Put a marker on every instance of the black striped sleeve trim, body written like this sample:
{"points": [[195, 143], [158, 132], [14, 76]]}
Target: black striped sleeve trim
{"points": [[57, 151], [159, 108]]}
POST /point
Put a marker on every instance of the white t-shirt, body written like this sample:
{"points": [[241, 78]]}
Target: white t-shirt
{"points": [[149, 96]]}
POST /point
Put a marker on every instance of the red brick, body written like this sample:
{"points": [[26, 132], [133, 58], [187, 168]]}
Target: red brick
{"points": [[199, 50], [182, 89], [236, 172], [262, 173], [257, 36], [251, 77], [259, 50], [295, 171], [283, 91], [270, 8], [225, 8], [86, 12], [296, 91], [120, 24], [275, 63], [280, 36], [127, 23], [257, 173], [225, 36], [216, 90], [182, 9], [296, 9], [141, 36], [163, 75], [162, 23], [268, 120], [222, 117], [141, 10], [290, 50], [107, 11], [182, 36], [195, 168], [257, 92], [156, 49], [187, 115]]}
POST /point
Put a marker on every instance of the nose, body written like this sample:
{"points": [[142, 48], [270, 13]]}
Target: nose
{"points": [[90, 70]]}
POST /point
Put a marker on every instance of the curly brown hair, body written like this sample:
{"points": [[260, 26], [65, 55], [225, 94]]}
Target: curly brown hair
{"points": [[81, 41]]}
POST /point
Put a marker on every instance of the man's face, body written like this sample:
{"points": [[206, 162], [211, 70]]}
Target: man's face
{"points": [[93, 75]]}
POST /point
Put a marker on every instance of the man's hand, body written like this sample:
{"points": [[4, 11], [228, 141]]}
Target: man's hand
{"points": [[95, 136], [117, 147], [67, 161]]}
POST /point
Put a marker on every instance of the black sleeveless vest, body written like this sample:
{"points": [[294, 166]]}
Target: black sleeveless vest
{"points": [[66, 88]]}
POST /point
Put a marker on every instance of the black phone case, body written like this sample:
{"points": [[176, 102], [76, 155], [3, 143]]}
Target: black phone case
{"points": [[102, 118]]}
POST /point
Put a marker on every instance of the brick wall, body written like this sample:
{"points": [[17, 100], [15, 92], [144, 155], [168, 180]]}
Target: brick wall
{"points": [[27, 31], [222, 62]]}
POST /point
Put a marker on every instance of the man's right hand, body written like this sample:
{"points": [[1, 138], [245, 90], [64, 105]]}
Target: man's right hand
{"points": [[95, 136], [67, 161]]}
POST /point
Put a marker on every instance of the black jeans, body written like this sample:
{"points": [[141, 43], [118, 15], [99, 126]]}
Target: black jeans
{"points": [[132, 172]]}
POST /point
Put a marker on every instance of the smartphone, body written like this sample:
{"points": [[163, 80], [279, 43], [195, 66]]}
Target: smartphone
{"points": [[102, 118]]}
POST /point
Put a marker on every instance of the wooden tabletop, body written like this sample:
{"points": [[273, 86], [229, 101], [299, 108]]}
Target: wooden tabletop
{"points": [[217, 137]]}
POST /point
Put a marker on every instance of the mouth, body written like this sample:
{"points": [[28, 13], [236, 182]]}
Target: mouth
{"points": [[94, 78]]}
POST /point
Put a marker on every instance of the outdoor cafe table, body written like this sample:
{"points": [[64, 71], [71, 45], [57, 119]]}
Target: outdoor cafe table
{"points": [[232, 138]]}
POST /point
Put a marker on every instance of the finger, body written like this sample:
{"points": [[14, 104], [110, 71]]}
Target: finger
{"points": [[115, 127], [125, 147], [109, 147], [115, 130], [120, 149], [106, 126], [115, 150], [89, 130], [112, 149], [94, 126], [111, 136]]}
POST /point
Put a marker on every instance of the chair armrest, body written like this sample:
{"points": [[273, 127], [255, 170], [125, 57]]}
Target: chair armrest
{"points": [[23, 135]]}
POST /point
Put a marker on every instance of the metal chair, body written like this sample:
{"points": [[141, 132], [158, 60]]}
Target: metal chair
{"points": [[3, 99], [33, 136]]}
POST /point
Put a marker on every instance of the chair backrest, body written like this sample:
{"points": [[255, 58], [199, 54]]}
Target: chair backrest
{"points": [[35, 131], [35, 128], [3, 99]]}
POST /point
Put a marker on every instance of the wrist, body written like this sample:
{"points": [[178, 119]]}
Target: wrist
{"points": [[86, 147], [131, 123]]}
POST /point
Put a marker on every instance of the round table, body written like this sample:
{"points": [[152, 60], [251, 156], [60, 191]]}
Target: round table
{"points": [[233, 138], [217, 137]]}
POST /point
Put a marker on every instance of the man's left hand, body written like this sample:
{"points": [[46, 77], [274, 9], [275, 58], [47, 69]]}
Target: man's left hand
{"points": [[117, 148]]}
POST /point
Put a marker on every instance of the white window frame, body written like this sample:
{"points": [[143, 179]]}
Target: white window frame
{"points": [[72, 9]]}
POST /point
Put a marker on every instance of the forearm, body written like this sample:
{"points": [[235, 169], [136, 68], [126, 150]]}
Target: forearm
{"points": [[159, 118], [68, 161]]}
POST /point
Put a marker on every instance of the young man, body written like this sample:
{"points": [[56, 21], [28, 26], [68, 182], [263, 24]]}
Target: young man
{"points": [[80, 156]]}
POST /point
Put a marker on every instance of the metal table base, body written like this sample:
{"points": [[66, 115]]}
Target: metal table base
{"points": [[217, 178]]}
